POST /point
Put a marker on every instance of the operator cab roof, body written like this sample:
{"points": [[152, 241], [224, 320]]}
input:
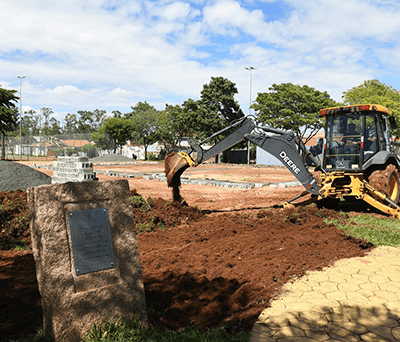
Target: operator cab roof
{"points": [[354, 109]]}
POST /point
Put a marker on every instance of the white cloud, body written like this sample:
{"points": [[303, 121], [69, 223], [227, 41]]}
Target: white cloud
{"points": [[67, 90], [111, 54]]}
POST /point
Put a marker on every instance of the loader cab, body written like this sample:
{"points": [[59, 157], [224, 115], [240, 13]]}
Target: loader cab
{"points": [[353, 134]]}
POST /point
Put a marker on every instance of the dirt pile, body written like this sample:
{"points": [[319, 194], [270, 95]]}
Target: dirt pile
{"points": [[15, 176], [225, 268], [159, 214], [14, 220], [200, 268]]}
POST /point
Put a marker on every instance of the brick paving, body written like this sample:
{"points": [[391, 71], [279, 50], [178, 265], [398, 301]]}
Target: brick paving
{"points": [[356, 299]]}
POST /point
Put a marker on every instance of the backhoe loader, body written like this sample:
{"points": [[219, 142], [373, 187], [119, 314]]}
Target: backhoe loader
{"points": [[357, 161]]}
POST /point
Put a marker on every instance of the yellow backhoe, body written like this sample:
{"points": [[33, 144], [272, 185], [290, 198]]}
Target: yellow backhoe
{"points": [[357, 160]]}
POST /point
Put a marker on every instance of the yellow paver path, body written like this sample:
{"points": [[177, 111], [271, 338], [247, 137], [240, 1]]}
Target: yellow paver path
{"points": [[356, 299]]}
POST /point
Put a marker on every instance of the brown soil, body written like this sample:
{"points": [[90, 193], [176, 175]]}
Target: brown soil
{"points": [[217, 266]]}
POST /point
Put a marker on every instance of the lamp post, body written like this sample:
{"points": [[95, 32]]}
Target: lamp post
{"points": [[20, 113], [251, 85]]}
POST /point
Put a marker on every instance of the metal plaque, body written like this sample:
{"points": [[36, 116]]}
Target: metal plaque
{"points": [[91, 240]]}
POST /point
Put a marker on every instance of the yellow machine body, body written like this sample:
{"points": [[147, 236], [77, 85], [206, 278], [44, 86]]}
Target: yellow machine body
{"points": [[341, 184]]}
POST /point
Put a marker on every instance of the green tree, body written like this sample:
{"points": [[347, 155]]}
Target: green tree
{"points": [[144, 119], [90, 149], [216, 109], [375, 92], [53, 127], [90, 121], [46, 113], [31, 123], [119, 129], [101, 140], [293, 107], [71, 123], [172, 126], [8, 110]]}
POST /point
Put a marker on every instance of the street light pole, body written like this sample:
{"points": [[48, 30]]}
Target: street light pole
{"points": [[251, 86], [20, 114]]}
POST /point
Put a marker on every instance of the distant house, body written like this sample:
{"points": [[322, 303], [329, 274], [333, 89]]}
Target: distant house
{"points": [[136, 151], [65, 146], [54, 147]]}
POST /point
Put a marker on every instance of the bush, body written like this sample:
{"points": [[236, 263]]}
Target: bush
{"points": [[70, 151], [152, 156], [90, 149]]}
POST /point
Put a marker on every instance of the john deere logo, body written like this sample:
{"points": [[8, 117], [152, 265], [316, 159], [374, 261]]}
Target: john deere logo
{"points": [[292, 166]]}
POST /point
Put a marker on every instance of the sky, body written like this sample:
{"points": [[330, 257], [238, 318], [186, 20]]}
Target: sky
{"points": [[112, 54]]}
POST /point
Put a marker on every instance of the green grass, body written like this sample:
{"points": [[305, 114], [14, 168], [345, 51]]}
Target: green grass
{"points": [[378, 231], [134, 331]]}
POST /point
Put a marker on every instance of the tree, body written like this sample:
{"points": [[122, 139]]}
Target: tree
{"points": [[293, 107], [90, 149], [216, 109], [375, 92], [31, 123], [8, 110], [53, 127], [70, 123], [102, 140], [172, 126], [46, 113], [90, 121], [120, 130], [144, 119]]}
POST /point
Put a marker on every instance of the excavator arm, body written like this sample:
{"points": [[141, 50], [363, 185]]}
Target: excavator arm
{"points": [[281, 144]]}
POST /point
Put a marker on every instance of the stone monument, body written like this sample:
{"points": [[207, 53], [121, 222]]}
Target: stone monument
{"points": [[86, 254]]}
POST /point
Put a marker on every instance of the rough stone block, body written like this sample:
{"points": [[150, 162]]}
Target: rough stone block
{"points": [[72, 303]]}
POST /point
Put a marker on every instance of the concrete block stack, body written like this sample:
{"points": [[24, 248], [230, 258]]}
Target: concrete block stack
{"points": [[73, 169]]}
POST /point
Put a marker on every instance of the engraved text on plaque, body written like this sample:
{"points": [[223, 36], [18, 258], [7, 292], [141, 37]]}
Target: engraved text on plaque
{"points": [[91, 240]]}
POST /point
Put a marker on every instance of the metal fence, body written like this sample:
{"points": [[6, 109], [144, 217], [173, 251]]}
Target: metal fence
{"points": [[50, 146]]}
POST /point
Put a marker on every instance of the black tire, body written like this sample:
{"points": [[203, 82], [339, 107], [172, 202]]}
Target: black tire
{"points": [[387, 182]]}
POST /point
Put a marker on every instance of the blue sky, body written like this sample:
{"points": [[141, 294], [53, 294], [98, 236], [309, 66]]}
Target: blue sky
{"points": [[111, 54]]}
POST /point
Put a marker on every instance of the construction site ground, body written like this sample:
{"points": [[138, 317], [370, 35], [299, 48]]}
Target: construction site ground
{"points": [[241, 262]]}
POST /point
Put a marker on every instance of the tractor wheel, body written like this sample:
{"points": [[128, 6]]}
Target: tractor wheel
{"points": [[387, 182]]}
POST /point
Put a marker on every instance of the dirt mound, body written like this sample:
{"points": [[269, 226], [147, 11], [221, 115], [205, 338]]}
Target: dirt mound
{"points": [[204, 269], [158, 214], [15, 176], [14, 220], [225, 268]]}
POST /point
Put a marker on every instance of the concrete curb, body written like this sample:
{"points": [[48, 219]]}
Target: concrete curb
{"points": [[227, 184], [161, 178]]}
